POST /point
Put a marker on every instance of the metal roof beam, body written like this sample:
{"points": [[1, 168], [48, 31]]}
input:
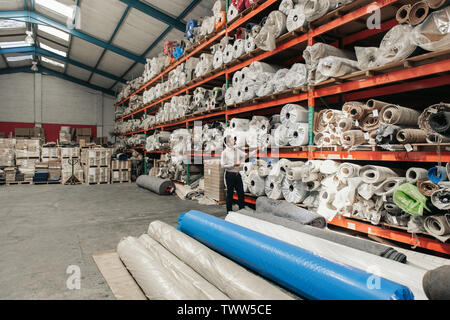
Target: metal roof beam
{"points": [[44, 71], [156, 13], [36, 18]]}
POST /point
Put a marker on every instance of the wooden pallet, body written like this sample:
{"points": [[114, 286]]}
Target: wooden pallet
{"points": [[18, 183], [93, 183], [116, 182], [46, 182]]}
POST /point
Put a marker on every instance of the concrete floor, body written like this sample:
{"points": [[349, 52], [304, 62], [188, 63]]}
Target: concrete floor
{"points": [[46, 228]]}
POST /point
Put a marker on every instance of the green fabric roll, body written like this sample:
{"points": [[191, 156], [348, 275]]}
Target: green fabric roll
{"points": [[408, 198]]}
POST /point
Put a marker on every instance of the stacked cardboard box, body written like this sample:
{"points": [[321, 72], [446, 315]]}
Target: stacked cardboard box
{"points": [[96, 165], [28, 148], [64, 136], [96, 175], [101, 140], [50, 153], [10, 174], [7, 152], [22, 133], [120, 171], [84, 134], [27, 167], [68, 152], [39, 133], [214, 183]]}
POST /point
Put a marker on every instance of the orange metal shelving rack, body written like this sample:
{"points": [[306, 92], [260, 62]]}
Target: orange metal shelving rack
{"points": [[418, 73]]}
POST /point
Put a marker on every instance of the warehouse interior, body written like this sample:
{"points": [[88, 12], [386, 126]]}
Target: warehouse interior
{"points": [[225, 150]]}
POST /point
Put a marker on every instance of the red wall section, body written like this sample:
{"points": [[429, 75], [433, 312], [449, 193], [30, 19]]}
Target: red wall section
{"points": [[51, 130]]}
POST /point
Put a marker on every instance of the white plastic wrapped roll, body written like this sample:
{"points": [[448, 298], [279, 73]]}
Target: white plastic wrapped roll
{"points": [[396, 45], [375, 174], [238, 48], [256, 184], [240, 137], [329, 167], [348, 170], [237, 78], [286, 6], [229, 96], [293, 113], [232, 13], [336, 66], [265, 140], [298, 134], [312, 54], [366, 57], [274, 27], [247, 167], [314, 9], [297, 76], [219, 5], [278, 80], [218, 59], [249, 44], [248, 89], [245, 181], [265, 89], [281, 136], [228, 54], [295, 18], [239, 124], [260, 123], [294, 191], [260, 67], [434, 33], [238, 94], [273, 187]]}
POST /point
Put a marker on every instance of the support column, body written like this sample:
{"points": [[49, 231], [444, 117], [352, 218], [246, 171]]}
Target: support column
{"points": [[38, 99]]}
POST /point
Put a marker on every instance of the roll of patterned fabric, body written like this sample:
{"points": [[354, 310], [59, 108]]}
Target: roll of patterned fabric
{"points": [[393, 114]]}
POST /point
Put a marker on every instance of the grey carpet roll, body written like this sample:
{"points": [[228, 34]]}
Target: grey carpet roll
{"points": [[440, 123], [387, 134], [349, 241], [441, 199], [411, 136], [156, 185], [289, 211], [436, 283], [376, 105], [393, 114], [438, 227], [415, 174]]}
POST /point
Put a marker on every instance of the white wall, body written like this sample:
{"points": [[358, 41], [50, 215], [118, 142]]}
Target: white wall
{"points": [[37, 98]]}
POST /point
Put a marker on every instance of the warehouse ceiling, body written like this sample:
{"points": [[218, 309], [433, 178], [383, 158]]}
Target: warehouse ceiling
{"points": [[96, 43]]}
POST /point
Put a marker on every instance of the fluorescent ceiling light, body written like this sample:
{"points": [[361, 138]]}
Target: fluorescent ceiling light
{"points": [[57, 7], [11, 24], [19, 58], [54, 32], [53, 62], [13, 44], [46, 47]]}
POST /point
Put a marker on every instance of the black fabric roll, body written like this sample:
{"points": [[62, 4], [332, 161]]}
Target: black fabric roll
{"points": [[333, 236], [436, 283], [387, 134], [282, 208], [440, 123], [156, 185]]}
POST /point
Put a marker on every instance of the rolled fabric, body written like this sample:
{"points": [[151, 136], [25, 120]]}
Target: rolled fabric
{"points": [[376, 174], [297, 76], [441, 199], [218, 59], [348, 170], [402, 15], [281, 135], [438, 227], [156, 185], [256, 184], [436, 4], [239, 4], [312, 186], [278, 80], [427, 188], [355, 110], [392, 209], [387, 134], [294, 173], [230, 96], [232, 13], [411, 136], [314, 9], [424, 118], [353, 138], [273, 187], [436, 283], [294, 191], [238, 48], [227, 276], [393, 114], [293, 113], [295, 18], [312, 54], [249, 44], [336, 66], [437, 174], [346, 124], [329, 167], [265, 89], [432, 35], [437, 138], [397, 220], [440, 123], [396, 45], [274, 26], [157, 282], [370, 123], [289, 211], [286, 6], [219, 5], [413, 175], [373, 104], [198, 287], [408, 198], [366, 57], [247, 247], [239, 124], [388, 186], [418, 12], [228, 53], [298, 134]]}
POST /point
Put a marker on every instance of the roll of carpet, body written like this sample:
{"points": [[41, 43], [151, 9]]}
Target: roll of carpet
{"points": [[370, 123], [402, 15], [228, 54], [297, 76], [438, 227], [239, 124], [355, 110], [411, 136], [256, 184], [238, 4], [314, 9], [353, 138], [281, 135], [388, 186], [218, 59], [229, 96], [427, 188], [295, 18], [431, 35], [346, 124], [408, 198], [298, 134], [366, 57], [312, 54], [232, 13], [373, 104], [441, 199], [400, 220], [293, 113], [278, 80], [436, 4], [336, 67], [294, 173], [156, 185], [265, 89], [376, 174], [294, 191], [424, 118], [392, 209], [437, 174], [238, 48], [436, 138], [329, 167], [418, 12], [436, 283], [249, 44], [250, 246], [273, 187], [393, 114], [284, 209], [348, 170], [286, 6], [440, 123], [396, 45], [227, 276], [387, 134], [413, 175]]}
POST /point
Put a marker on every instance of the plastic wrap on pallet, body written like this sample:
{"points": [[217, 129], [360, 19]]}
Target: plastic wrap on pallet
{"points": [[248, 248], [434, 33]]}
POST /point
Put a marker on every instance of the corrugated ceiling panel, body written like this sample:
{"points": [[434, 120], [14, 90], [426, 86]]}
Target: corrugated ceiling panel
{"points": [[52, 37], [117, 88], [76, 72], [17, 64], [173, 7], [12, 31], [52, 14], [52, 67], [114, 63], [85, 52], [11, 5], [138, 31], [99, 18], [203, 9], [101, 81], [136, 72], [52, 44], [12, 38]]}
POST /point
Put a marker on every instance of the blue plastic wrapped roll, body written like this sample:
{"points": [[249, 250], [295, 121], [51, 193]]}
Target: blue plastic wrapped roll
{"points": [[190, 26], [437, 174], [178, 52], [294, 268]]}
